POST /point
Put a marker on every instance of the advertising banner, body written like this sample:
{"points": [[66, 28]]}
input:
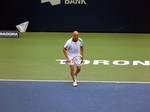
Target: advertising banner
{"points": [[82, 15]]}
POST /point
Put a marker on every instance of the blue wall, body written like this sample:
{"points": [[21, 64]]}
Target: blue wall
{"points": [[95, 15]]}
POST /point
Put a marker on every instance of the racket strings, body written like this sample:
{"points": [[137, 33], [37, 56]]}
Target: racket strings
{"points": [[77, 60]]}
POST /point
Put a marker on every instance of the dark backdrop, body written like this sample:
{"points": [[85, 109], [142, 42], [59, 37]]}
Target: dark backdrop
{"points": [[96, 15]]}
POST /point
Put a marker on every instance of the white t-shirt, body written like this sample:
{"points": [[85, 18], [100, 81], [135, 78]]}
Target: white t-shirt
{"points": [[73, 48]]}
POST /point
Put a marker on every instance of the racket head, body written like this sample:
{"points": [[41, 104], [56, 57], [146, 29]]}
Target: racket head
{"points": [[77, 60]]}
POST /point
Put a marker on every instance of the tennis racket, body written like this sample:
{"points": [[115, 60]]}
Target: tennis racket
{"points": [[77, 60]]}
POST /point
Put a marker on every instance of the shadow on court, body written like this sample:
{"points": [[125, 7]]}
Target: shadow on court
{"points": [[34, 96]]}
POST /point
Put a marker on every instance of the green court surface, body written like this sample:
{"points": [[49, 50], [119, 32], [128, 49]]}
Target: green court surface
{"points": [[33, 56]]}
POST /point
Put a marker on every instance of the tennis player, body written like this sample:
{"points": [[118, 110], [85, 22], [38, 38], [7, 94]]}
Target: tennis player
{"points": [[74, 47]]}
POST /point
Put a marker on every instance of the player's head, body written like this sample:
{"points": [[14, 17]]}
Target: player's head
{"points": [[75, 36]]}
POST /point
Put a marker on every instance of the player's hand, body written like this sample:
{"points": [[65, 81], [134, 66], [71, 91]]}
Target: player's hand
{"points": [[82, 59], [68, 60]]}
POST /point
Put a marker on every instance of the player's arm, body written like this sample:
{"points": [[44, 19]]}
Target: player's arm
{"points": [[65, 53], [82, 51]]}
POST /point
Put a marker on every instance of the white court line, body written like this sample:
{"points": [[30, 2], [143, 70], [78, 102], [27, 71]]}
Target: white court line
{"points": [[19, 80]]}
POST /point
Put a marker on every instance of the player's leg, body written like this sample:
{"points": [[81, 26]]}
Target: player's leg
{"points": [[73, 75], [77, 70], [72, 72]]}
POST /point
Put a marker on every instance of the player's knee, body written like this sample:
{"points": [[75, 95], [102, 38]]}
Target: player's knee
{"points": [[79, 69], [71, 69]]}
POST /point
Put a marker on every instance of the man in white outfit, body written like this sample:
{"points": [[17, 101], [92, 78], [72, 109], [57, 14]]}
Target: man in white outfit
{"points": [[73, 47]]}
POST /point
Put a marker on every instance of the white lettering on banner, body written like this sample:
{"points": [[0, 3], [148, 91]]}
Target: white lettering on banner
{"points": [[66, 2], [121, 62], [107, 62], [85, 62], [63, 61], [8, 34], [75, 2], [146, 63]]}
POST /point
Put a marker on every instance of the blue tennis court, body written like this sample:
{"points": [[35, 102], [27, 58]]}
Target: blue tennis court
{"points": [[60, 96]]}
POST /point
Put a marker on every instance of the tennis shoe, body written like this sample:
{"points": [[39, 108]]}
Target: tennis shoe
{"points": [[75, 84]]}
